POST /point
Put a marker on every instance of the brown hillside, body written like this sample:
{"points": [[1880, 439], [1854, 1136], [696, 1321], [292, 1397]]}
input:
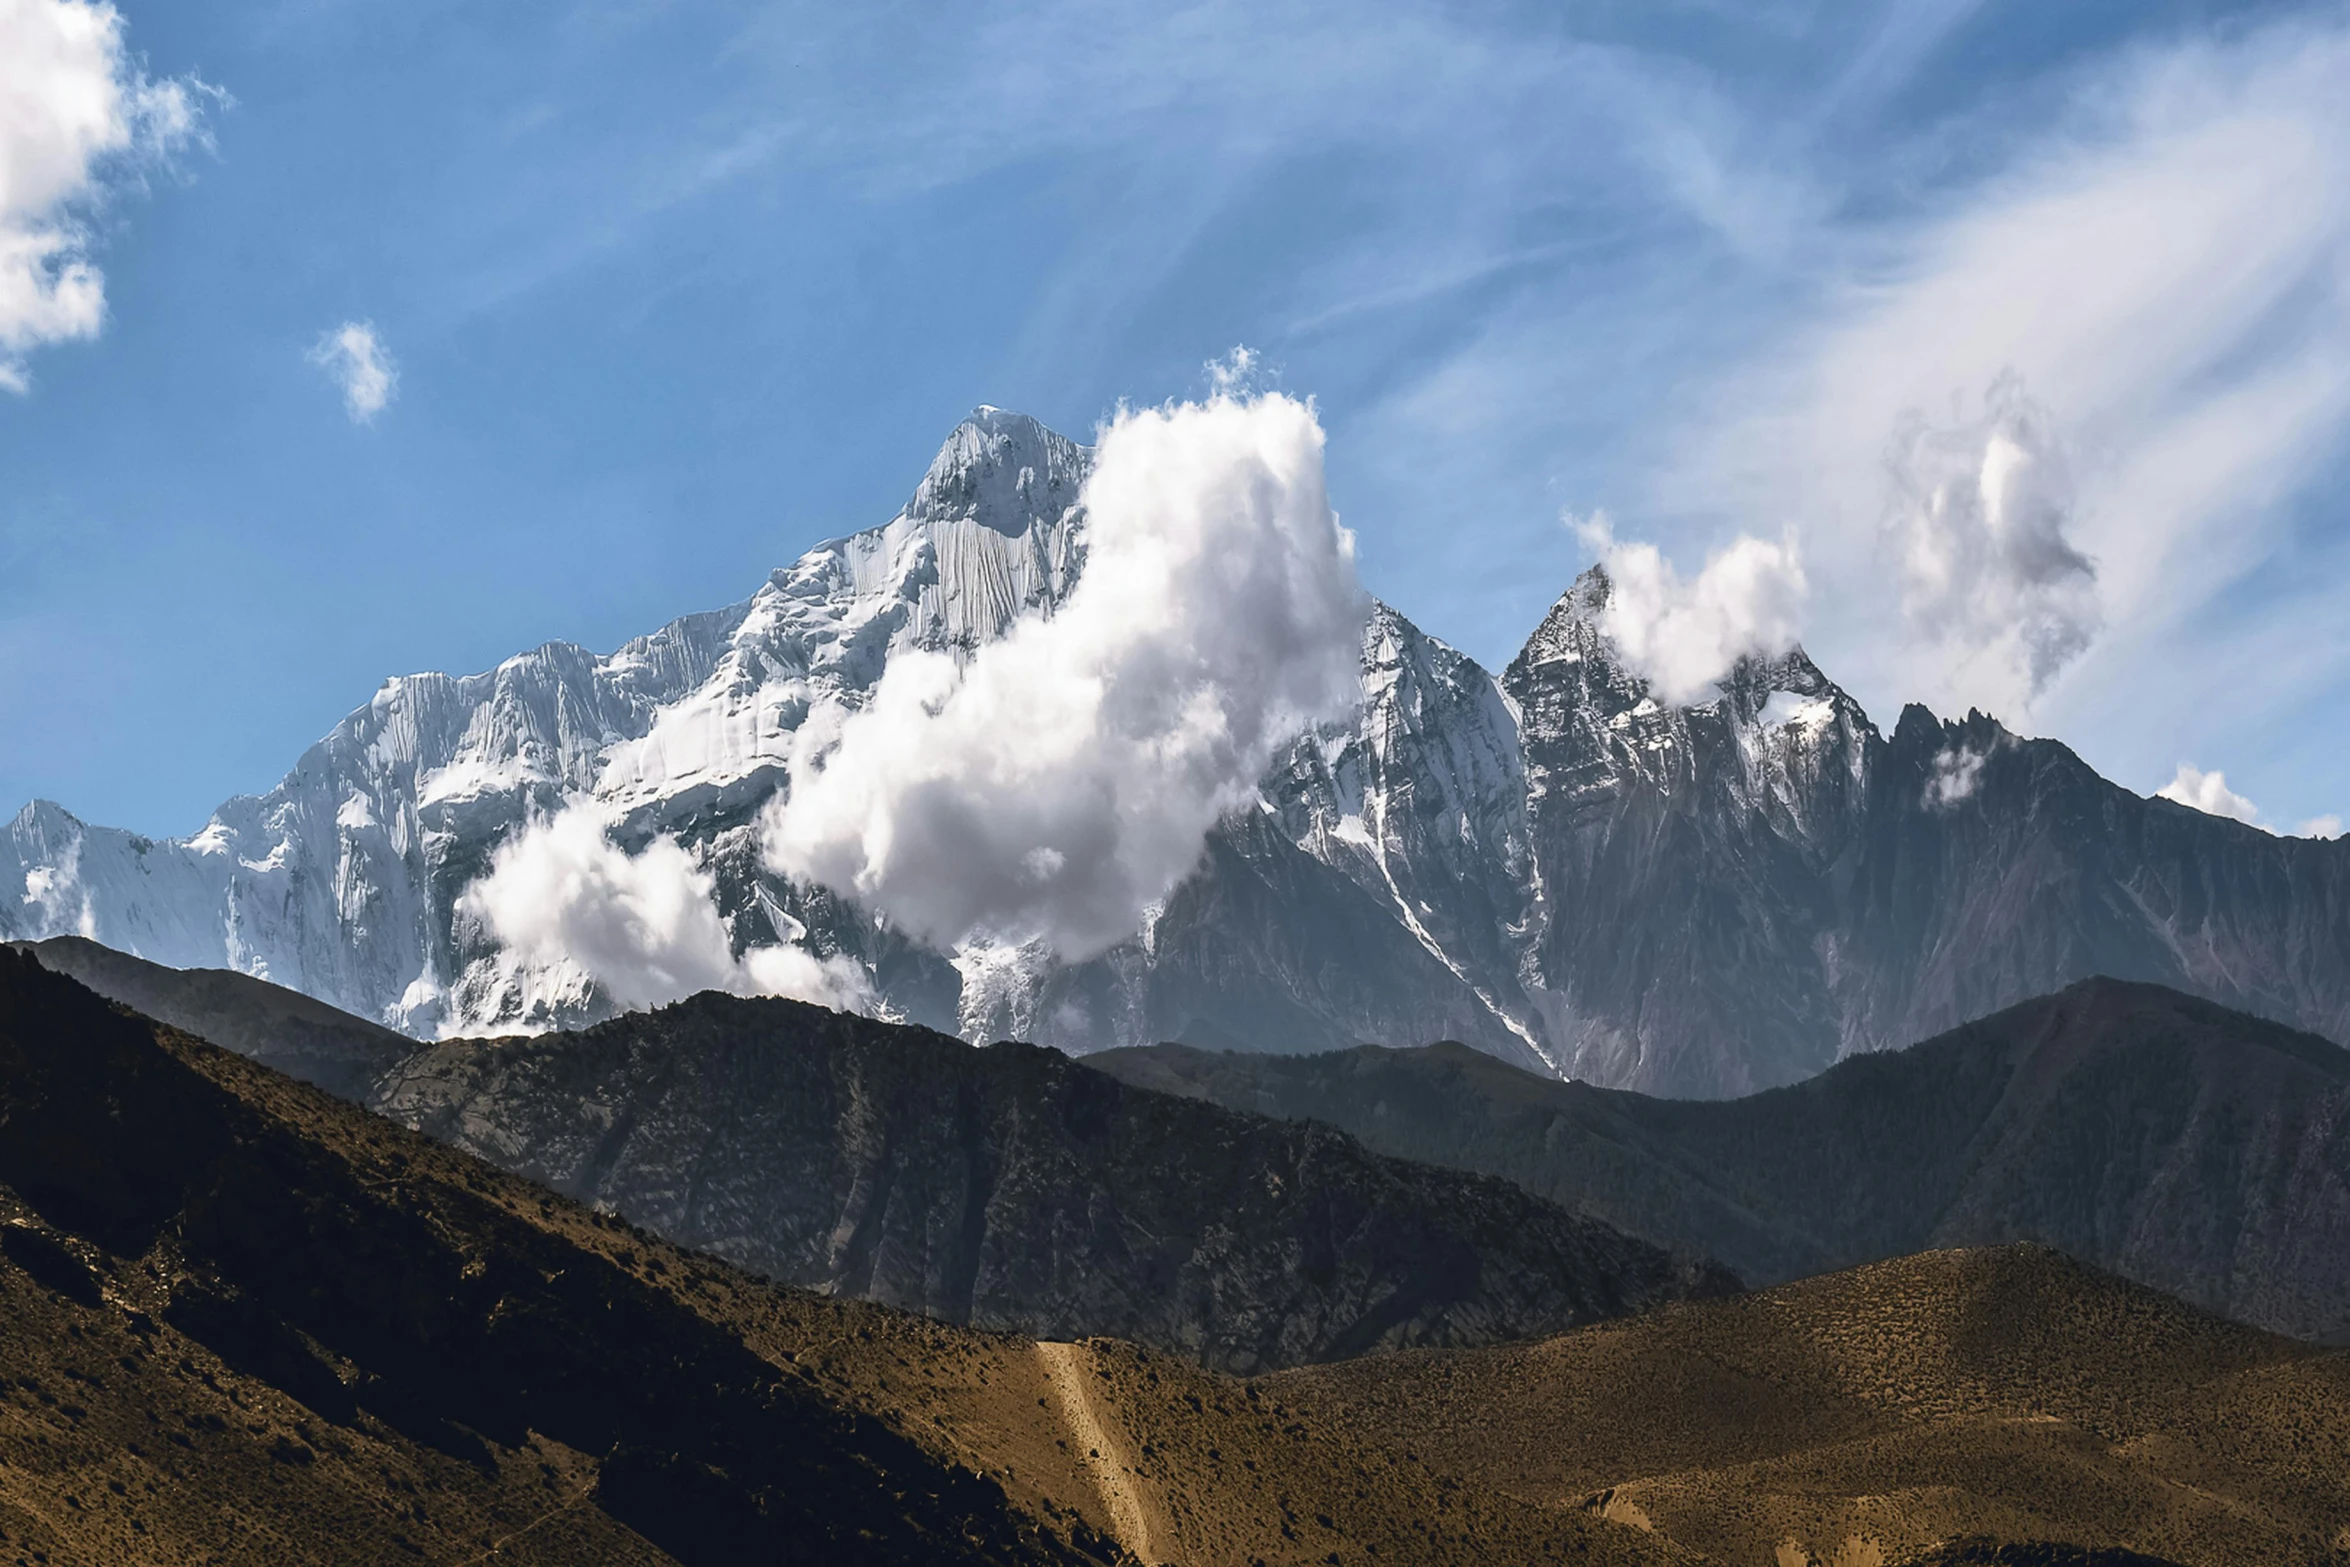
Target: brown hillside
{"points": [[246, 1322], [1866, 1417]]}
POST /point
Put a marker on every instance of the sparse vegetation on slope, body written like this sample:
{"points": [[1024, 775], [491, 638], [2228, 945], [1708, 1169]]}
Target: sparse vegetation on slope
{"points": [[1867, 1416], [351, 1321], [273, 1325], [370, 1347]]}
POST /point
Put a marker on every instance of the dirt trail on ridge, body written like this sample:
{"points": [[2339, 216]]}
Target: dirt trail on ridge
{"points": [[1065, 1369]]}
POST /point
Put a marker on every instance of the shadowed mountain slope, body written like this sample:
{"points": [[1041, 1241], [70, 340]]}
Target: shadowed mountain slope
{"points": [[244, 1321], [1004, 1187], [417, 1332], [2182, 1145], [263, 1022], [1009, 1187]]}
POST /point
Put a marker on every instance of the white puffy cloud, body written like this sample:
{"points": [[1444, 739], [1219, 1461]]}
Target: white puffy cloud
{"points": [[1684, 634], [1977, 526], [2210, 794], [645, 928], [355, 357], [1066, 777], [2327, 826], [74, 111]]}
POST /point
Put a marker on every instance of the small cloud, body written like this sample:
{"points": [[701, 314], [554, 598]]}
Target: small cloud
{"points": [[2210, 794], [1237, 373], [356, 358], [1684, 634], [1957, 769]]}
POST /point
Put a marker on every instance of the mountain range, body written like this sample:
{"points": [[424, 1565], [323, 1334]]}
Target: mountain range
{"points": [[243, 1318], [1253, 1211], [1548, 864], [1004, 1187], [2192, 1149], [1007, 1187]]}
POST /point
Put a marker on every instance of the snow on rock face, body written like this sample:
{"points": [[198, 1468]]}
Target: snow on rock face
{"points": [[343, 880], [1786, 709], [991, 532], [1421, 802]]}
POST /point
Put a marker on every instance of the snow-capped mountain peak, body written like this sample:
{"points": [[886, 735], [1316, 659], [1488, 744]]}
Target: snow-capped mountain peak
{"points": [[1002, 470], [1550, 864]]}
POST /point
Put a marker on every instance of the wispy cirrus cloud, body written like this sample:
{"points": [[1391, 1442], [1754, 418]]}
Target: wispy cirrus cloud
{"points": [[2166, 271], [2037, 376]]}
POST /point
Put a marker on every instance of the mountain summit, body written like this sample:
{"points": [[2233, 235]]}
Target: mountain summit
{"points": [[1551, 865], [1001, 470]]}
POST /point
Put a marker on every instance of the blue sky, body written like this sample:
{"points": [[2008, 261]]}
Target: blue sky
{"points": [[674, 291]]}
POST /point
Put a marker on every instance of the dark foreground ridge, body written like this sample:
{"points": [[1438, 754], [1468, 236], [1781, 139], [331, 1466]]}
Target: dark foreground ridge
{"points": [[238, 1312], [242, 1321], [260, 1021], [2188, 1147]]}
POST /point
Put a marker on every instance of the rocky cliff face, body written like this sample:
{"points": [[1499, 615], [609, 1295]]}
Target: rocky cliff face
{"points": [[1550, 865], [2187, 1147], [1684, 859]]}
